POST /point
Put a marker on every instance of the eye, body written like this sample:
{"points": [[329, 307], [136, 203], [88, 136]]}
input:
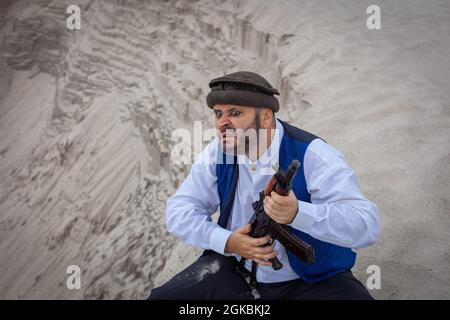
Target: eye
{"points": [[235, 113], [218, 115]]}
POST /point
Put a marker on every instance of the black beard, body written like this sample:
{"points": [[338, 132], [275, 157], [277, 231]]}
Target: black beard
{"points": [[256, 124]]}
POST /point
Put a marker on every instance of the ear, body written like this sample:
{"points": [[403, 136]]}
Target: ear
{"points": [[266, 117]]}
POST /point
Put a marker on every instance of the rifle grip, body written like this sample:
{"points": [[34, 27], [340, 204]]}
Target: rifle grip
{"points": [[276, 264]]}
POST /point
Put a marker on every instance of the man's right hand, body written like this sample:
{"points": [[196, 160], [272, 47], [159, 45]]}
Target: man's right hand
{"points": [[241, 243]]}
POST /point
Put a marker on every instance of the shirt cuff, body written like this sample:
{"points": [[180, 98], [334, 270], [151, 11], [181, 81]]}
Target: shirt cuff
{"points": [[305, 217], [218, 240]]}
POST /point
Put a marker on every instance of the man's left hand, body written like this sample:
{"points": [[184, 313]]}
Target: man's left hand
{"points": [[281, 209]]}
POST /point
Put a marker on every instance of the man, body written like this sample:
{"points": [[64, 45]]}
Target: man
{"points": [[325, 207]]}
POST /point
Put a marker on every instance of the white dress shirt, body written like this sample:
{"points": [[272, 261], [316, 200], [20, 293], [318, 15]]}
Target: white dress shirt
{"points": [[338, 212]]}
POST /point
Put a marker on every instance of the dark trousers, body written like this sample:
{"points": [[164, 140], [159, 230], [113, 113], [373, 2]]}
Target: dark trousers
{"points": [[214, 277]]}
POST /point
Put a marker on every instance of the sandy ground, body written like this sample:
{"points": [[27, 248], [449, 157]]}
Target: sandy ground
{"points": [[86, 118]]}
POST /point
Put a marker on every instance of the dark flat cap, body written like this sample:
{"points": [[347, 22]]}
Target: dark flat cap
{"points": [[243, 88]]}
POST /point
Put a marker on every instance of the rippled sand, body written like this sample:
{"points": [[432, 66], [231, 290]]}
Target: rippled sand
{"points": [[86, 118]]}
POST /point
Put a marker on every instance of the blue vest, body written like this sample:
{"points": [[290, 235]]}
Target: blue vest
{"points": [[330, 258]]}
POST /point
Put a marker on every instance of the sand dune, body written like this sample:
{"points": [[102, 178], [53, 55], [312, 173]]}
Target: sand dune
{"points": [[86, 118]]}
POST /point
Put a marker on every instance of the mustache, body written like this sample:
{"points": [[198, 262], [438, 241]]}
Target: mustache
{"points": [[227, 130]]}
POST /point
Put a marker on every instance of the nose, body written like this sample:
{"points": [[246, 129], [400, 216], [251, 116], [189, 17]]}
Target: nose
{"points": [[223, 123]]}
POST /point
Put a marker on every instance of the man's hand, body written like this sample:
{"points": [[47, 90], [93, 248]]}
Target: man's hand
{"points": [[282, 209], [250, 248]]}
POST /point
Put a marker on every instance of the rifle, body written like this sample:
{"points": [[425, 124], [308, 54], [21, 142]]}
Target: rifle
{"points": [[263, 225]]}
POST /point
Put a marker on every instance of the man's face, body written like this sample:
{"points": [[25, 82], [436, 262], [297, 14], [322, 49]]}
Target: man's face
{"points": [[238, 127]]}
